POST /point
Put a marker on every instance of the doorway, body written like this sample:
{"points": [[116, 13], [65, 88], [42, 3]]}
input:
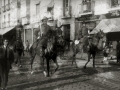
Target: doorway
{"points": [[66, 35]]}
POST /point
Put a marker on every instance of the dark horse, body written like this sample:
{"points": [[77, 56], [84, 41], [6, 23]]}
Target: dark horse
{"points": [[89, 45], [19, 50], [60, 41], [50, 52]]}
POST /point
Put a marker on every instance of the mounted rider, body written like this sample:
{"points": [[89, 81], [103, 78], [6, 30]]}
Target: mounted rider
{"points": [[44, 33]]}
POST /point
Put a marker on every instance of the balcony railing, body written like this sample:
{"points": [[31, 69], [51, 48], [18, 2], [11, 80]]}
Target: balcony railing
{"points": [[67, 11], [7, 7]]}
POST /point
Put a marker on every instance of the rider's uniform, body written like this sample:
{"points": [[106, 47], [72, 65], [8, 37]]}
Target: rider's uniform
{"points": [[45, 32]]}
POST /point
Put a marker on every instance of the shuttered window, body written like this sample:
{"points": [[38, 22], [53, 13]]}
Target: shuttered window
{"points": [[37, 9]]}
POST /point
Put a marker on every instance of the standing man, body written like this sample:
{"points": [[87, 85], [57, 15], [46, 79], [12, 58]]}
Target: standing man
{"points": [[6, 59], [19, 50], [27, 46]]}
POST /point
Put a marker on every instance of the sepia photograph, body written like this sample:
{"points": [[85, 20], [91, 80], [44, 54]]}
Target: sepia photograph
{"points": [[59, 44]]}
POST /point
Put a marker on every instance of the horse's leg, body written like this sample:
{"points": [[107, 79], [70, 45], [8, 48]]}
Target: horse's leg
{"points": [[42, 65], [48, 66], [74, 57], [81, 53], [88, 59], [55, 61], [93, 55], [16, 62], [32, 59], [19, 58]]}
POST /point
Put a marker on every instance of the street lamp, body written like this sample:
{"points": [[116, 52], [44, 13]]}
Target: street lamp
{"points": [[18, 29]]}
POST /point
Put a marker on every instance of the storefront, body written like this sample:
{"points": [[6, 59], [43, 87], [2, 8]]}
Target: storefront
{"points": [[8, 33], [85, 24], [28, 34]]}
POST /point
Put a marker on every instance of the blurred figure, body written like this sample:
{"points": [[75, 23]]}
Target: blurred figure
{"points": [[27, 46], [6, 59], [105, 53], [19, 50]]}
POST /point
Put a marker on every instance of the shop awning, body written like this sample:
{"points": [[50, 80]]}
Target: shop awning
{"points": [[4, 31], [107, 25]]}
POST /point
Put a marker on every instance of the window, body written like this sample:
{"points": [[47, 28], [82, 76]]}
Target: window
{"points": [[37, 9], [50, 9], [66, 11], [114, 3], [86, 5], [66, 3]]}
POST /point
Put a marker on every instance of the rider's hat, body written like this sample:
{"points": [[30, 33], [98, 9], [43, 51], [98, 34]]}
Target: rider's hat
{"points": [[44, 18]]}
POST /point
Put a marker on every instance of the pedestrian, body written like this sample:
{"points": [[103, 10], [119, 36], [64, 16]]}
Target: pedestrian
{"points": [[105, 53], [6, 60], [118, 51], [27, 46]]}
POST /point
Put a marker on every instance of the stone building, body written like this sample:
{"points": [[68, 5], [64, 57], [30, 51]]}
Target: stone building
{"points": [[76, 16]]}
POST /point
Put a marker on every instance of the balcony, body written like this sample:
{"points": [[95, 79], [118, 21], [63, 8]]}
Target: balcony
{"points": [[87, 8], [66, 12], [7, 7], [3, 8]]}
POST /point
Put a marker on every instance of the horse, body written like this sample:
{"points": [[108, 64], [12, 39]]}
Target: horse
{"points": [[60, 41], [19, 50], [50, 52], [88, 44]]}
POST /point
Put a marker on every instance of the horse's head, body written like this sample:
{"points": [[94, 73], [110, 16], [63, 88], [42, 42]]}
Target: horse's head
{"points": [[98, 39], [59, 31], [100, 34]]}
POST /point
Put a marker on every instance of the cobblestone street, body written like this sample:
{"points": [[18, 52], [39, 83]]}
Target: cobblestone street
{"points": [[68, 77]]}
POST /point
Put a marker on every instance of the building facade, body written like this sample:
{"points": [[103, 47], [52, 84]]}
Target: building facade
{"points": [[76, 16]]}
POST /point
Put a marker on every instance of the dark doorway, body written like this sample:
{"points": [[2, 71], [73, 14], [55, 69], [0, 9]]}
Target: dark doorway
{"points": [[67, 36]]}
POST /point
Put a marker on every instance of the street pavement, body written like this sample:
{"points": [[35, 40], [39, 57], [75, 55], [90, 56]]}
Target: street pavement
{"points": [[104, 77]]}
